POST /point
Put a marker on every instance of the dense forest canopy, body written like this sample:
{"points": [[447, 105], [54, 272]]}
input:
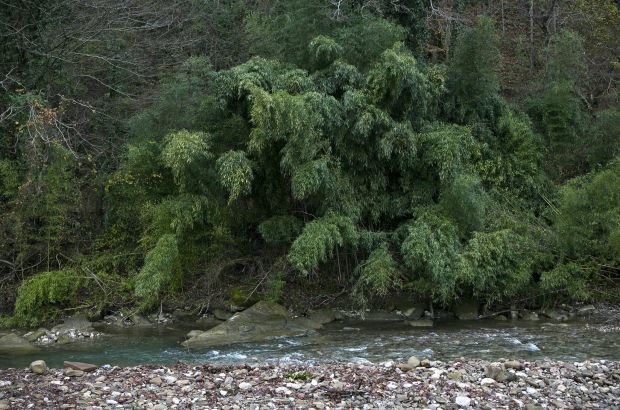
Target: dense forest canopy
{"points": [[170, 153]]}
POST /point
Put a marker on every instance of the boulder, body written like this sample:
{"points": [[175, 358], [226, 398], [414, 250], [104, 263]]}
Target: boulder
{"points": [[466, 310], [34, 335], [529, 315], [262, 321], [13, 344], [324, 316], [221, 314], [207, 322], [414, 312], [382, 316], [182, 315], [193, 333], [78, 323], [420, 323], [500, 318], [84, 367], [38, 367], [555, 314]]}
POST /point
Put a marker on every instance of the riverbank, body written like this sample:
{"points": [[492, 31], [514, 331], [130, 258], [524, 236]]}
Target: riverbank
{"points": [[434, 384]]}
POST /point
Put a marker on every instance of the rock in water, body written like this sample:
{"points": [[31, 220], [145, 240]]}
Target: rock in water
{"points": [[85, 367], [13, 344], [35, 334], [222, 314], [38, 367], [467, 310], [76, 322], [262, 321], [420, 323]]}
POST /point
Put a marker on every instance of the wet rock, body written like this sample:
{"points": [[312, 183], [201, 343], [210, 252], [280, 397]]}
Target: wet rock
{"points": [[34, 335], [324, 316], [466, 310], [420, 323], [414, 312], [586, 310], [207, 322], [63, 339], [500, 318], [183, 315], [555, 314], [85, 367], [221, 314], [382, 316], [13, 344], [38, 367], [75, 324], [529, 315], [262, 321], [193, 333]]}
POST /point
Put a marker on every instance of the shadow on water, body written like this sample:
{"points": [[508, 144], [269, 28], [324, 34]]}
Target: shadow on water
{"points": [[347, 342]]}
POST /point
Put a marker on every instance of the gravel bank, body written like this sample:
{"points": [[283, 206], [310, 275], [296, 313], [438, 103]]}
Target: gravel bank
{"points": [[434, 385]]}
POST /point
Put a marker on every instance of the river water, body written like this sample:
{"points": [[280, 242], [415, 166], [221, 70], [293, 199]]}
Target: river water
{"points": [[348, 342]]}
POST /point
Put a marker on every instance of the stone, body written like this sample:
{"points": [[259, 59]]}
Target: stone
{"points": [[221, 314], [414, 312], [260, 322], [382, 316], [514, 364], [245, 386], [77, 322], [34, 335], [63, 339], [466, 310], [193, 333], [13, 344], [487, 380], [462, 401], [73, 373], [586, 310], [500, 318], [85, 367], [420, 323], [207, 322], [324, 316], [499, 374], [38, 367], [555, 314], [529, 315], [413, 362], [425, 363], [456, 376]]}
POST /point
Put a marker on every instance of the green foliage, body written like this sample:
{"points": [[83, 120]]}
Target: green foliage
{"points": [[185, 154], [160, 267], [431, 250], [280, 229], [496, 265], [324, 51], [377, 275], [235, 171], [472, 83], [305, 376], [43, 297], [319, 239]]}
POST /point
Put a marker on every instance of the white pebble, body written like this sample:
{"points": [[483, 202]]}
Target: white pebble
{"points": [[463, 401]]}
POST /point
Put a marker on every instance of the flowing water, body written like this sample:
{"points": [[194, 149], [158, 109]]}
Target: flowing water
{"points": [[348, 342]]}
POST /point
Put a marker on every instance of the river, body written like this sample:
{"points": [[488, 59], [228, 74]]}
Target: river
{"points": [[353, 341]]}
